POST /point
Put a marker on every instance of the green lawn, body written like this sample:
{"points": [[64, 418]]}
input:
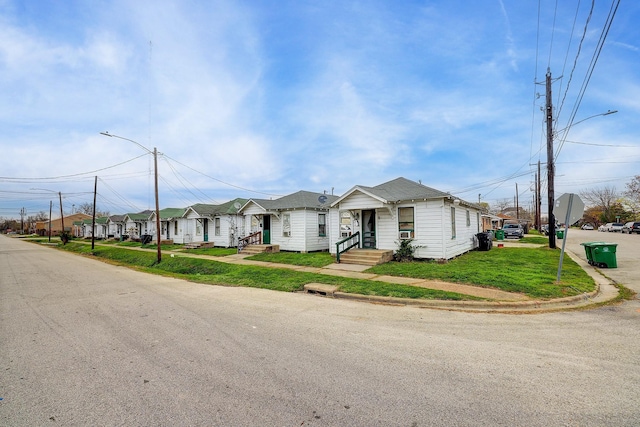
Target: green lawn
{"points": [[217, 273], [531, 271], [313, 259]]}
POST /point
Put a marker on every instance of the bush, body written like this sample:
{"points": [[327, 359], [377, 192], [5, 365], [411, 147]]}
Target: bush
{"points": [[405, 251]]}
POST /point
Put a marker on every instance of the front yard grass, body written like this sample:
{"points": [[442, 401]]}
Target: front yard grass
{"points": [[312, 259], [218, 273], [531, 271]]}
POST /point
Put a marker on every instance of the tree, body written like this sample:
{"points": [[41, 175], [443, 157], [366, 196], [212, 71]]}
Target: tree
{"points": [[632, 196], [87, 208], [500, 206], [604, 198]]}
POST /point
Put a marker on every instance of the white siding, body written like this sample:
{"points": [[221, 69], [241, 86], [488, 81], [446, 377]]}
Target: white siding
{"points": [[358, 200], [333, 229]]}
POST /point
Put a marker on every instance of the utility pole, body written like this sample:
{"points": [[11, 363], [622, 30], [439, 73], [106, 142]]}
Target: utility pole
{"points": [[93, 222], [539, 200], [550, 163], [517, 204], [22, 212], [50, 209], [158, 230]]}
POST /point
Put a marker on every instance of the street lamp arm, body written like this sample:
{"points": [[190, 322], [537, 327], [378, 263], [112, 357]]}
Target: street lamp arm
{"points": [[585, 119], [106, 133]]}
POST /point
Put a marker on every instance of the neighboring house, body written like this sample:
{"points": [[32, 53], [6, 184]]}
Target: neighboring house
{"points": [[100, 228], [220, 224], [137, 224], [42, 227], [170, 223], [441, 225], [116, 226], [296, 222], [491, 222]]}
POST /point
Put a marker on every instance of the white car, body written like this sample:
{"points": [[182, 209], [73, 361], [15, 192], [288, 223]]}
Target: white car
{"points": [[616, 227], [605, 227], [587, 227]]}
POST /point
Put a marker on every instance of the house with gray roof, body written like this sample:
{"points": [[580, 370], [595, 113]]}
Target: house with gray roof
{"points": [[296, 222], [441, 225], [170, 224], [220, 224], [137, 224]]}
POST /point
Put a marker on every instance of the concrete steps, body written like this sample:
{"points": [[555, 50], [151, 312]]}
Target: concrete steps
{"points": [[366, 256], [258, 249]]}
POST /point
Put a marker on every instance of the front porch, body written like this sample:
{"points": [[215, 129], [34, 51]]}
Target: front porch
{"points": [[253, 249]]}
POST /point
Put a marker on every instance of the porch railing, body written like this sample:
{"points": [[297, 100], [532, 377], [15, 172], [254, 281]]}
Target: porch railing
{"points": [[346, 244], [251, 239]]}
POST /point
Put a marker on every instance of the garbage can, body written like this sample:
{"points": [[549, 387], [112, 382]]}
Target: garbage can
{"points": [[499, 234], [604, 254], [484, 241], [560, 234], [145, 239], [588, 250]]}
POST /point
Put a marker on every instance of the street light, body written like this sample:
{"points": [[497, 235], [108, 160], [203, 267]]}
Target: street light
{"points": [[50, 205], [155, 167]]}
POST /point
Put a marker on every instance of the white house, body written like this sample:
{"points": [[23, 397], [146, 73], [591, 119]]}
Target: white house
{"points": [[137, 224], [296, 222], [441, 225], [171, 224], [220, 224], [116, 226]]}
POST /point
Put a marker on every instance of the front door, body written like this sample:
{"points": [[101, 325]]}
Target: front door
{"points": [[369, 229], [266, 229], [206, 229]]}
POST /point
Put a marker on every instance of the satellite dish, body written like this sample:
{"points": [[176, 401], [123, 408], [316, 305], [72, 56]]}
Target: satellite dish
{"points": [[237, 205], [322, 199]]}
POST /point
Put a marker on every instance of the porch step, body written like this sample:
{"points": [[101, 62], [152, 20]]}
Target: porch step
{"points": [[258, 249], [366, 256], [198, 245]]}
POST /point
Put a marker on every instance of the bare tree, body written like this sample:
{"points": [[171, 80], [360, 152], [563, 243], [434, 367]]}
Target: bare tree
{"points": [[87, 208], [605, 198], [500, 206]]}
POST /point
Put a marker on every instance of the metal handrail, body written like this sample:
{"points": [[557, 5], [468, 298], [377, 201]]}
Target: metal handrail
{"points": [[251, 239], [354, 240]]}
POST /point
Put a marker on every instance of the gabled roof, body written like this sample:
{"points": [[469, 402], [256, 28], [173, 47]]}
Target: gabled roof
{"points": [[228, 208], [169, 213], [141, 216], [397, 190], [99, 220], [298, 200], [116, 218]]}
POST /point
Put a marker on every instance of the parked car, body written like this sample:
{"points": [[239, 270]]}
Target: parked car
{"points": [[616, 227], [513, 230], [631, 227], [605, 227], [587, 227]]}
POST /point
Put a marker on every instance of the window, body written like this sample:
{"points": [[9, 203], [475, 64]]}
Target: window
{"points": [[453, 222], [406, 226], [175, 228], [322, 225], [468, 219], [286, 225], [216, 226], [198, 227], [345, 224]]}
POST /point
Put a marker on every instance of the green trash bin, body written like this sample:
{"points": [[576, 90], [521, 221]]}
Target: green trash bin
{"points": [[588, 250], [499, 234], [604, 254], [560, 234]]}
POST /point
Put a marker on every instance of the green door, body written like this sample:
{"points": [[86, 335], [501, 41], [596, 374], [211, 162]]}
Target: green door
{"points": [[266, 229], [369, 229], [206, 229]]}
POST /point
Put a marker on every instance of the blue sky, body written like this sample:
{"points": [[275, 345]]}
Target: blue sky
{"points": [[265, 98]]}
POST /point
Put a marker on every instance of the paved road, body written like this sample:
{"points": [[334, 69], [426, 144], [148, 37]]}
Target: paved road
{"points": [[86, 343]]}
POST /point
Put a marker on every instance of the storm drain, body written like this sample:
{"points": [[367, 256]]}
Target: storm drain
{"points": [[320, 289]]}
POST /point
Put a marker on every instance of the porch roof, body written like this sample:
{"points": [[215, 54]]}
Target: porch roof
{"points": [[228, 208]]}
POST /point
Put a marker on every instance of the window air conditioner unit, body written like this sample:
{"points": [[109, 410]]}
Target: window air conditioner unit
{"points": [[405, 234]]}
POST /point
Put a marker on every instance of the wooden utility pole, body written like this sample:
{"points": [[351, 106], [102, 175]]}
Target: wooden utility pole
{"points": [[93, 222], [50, 209], [158, 230], [550, 163], [517, 204]]}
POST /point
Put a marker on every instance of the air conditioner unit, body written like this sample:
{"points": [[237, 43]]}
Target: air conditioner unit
{"points": [[405, 234]]}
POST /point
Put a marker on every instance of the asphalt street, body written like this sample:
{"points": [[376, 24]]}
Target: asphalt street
{"points": [[87, 343]]}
